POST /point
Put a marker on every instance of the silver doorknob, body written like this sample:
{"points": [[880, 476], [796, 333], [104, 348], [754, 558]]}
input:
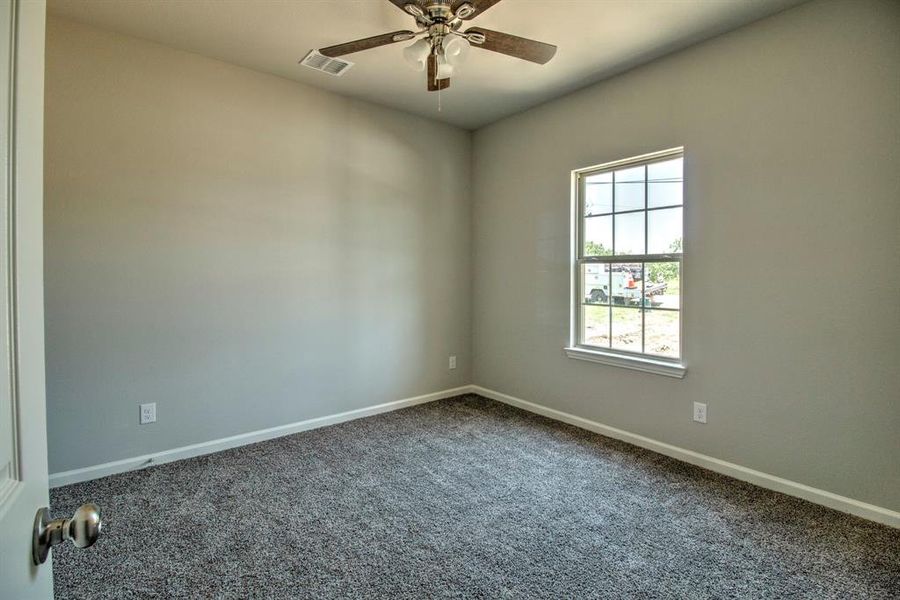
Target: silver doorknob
{"points": [[83, 529]]}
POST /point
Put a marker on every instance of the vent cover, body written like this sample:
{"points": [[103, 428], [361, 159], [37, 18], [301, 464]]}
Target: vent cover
{"points": [[326, 64]]}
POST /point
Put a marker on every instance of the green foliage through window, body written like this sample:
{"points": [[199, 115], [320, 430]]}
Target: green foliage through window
{"points": [[595, 249], [667, 271]]}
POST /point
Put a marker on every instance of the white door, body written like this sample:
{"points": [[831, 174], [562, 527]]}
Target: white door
{"points": [[23, 434]]}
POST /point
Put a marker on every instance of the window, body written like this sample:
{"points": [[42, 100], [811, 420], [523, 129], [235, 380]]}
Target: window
{"points": [[628, 263]]}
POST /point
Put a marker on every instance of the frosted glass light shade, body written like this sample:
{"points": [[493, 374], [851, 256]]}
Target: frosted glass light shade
{"points": [[444, 69], [416, 54], [456, 49]]}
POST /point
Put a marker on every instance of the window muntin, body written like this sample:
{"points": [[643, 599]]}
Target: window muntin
{"points": [[628, 265]]}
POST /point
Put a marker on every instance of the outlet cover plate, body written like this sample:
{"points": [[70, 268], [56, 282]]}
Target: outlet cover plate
{"points": [[148, 413], [699, 412]]}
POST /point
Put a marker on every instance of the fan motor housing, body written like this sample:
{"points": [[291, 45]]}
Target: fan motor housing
{"points": [[439, 10], [438, 29]]}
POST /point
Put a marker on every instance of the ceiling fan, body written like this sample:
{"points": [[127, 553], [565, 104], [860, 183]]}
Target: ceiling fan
{"points": [[441, 45]]}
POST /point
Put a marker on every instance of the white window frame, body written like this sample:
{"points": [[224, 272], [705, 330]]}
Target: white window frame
{"points": [[610, 356]]}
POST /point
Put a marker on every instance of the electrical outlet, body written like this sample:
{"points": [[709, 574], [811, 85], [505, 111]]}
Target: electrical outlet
{"points": [[699, 412], [452, 362], [148, 413]]}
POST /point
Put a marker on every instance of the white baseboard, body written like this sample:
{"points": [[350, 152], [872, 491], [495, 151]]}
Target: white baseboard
{"points": [[139, 462], [778, 484]]}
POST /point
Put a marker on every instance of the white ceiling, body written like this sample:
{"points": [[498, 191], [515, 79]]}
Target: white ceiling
{"points": [[596, 39]]}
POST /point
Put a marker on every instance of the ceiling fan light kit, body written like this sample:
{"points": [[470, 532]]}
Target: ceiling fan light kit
{"points": [[441, 46]]}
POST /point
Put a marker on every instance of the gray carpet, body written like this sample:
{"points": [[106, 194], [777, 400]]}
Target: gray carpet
{"points": [[462, 498]]}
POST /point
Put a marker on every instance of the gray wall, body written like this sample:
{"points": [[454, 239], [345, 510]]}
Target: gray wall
{"points": [[249, 252], [243, 250], [792, 248]]}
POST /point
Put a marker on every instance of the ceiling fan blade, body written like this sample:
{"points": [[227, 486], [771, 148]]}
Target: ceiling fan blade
{"points": [[435, 84], [367, 43], [479, 5], [512, 45]]}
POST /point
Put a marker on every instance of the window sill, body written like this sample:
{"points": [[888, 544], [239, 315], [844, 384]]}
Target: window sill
{"points": [[648, 365]]}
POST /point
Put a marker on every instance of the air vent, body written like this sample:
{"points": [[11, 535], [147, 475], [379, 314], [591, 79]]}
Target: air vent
{"points": [[326, 64]]}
